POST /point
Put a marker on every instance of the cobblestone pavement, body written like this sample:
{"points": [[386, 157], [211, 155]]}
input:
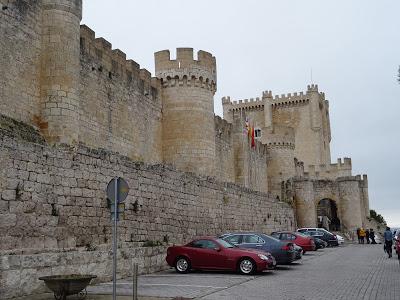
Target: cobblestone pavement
{"points": [[348, 272]]}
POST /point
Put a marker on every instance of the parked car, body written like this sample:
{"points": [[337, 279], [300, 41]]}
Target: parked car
{"points": [[322, 234], [320, 244], [305, 242], [299, 251], [211, 253], [378, 239], [397, 244], [283, 252], [340, 239]]}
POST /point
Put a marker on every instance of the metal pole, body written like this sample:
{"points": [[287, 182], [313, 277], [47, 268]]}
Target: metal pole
{"points": [[115, 240], [135, 280]]}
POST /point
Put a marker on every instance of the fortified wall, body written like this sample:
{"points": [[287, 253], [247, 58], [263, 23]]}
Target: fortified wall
{"points": [[74, 113], [295, 128], [54, 216], [307, 113]]}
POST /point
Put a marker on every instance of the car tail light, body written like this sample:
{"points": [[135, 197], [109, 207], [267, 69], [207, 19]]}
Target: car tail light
{"points": [[287, 247]]}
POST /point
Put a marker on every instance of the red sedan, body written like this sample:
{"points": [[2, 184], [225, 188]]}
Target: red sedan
{"points": [[211, 253], [301, 240]]}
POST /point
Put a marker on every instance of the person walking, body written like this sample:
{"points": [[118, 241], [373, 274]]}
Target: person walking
{"points": [[358, 235], [388, 236], [362, 235], [372, 236], [367, 235]]}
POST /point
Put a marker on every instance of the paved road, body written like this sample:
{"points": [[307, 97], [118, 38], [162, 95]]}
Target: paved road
{"points": [[348, 272]]}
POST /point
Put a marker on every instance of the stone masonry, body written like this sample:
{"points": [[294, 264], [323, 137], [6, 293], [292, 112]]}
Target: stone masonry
{"points": [[54, 209], [74, 113]]}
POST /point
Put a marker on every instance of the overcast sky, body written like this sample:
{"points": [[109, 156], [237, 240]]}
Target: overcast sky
{"points": [[352, 47]]}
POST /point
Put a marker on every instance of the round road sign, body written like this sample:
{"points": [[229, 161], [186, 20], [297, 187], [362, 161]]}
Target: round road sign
{"points": [[122, 189]]}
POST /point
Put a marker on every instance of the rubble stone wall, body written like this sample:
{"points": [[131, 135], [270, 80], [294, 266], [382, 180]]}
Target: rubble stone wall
{"points": [[53, 198]]}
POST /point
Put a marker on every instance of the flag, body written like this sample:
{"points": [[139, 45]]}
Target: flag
{"points": [[253, 141], [246, 127]]}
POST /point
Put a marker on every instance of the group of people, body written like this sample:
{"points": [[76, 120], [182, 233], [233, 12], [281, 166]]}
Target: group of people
{"points": [[369, 237], [366, 236]]}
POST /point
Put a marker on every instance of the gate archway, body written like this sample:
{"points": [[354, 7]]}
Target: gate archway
{"points": [[328, 215]]}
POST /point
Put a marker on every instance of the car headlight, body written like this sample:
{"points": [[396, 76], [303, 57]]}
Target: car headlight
{"points": [[262, 256]]}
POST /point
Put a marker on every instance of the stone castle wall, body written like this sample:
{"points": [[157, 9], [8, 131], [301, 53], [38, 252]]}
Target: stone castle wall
{"points": [[224, 150], [54, 198], [20, 54], [76, 113], [120, 107], [346, 192], [307, 113], [91, 94]]}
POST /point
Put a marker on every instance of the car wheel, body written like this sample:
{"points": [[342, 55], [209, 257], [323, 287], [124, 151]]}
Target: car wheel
{"points": [[182, 265], [247, 266]]}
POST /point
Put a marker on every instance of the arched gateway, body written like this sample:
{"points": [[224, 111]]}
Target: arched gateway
{"points": [[340, 204], [328, 215]]}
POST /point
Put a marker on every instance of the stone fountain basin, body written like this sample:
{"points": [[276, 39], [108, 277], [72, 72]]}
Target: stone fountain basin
{"points": [[66, 285]]}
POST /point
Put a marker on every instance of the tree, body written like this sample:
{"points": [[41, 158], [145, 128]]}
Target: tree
{"points": [[377, 217], [398, 76]]}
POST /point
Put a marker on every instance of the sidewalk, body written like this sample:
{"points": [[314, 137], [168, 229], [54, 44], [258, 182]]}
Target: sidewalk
{"points": [[91, 297]]}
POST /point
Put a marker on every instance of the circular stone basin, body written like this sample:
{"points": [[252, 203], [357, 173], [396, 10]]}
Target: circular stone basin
{"points": [[65, 285]]}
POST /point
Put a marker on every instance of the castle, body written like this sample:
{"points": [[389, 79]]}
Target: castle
{"points": [[74, 112]]}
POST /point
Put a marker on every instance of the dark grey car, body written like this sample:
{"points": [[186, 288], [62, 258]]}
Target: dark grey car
{"points": [[283, 252]]}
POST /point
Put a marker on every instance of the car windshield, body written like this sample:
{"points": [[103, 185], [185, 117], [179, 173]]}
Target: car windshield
{"points": [[270, 239], [225, 244]]}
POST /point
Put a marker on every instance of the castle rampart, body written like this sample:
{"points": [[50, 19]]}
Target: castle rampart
{"points": [[121, 103], [331, 171], [74, 113], [53, 206], [20, 56], [306, 112], [347, 192]]}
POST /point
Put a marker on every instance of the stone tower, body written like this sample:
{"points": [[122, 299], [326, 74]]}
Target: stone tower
{"points": [[60, 67], [281, 164], [188, 88], [314, 146]]}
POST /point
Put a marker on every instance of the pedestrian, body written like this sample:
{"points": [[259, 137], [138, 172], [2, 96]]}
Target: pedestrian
{"points": [[358, 235], [388, 236], [362, 235], [367, 235], [372, 236]]}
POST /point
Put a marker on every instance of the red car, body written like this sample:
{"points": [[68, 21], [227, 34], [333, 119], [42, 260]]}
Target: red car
{"points": [[397, 245], [301, 240], [211, 253]]}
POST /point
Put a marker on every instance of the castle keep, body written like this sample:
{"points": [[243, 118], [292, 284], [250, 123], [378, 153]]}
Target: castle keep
{"points": [[75, 112]]}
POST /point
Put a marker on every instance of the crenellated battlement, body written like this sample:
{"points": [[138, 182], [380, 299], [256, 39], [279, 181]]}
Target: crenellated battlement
{"points": [[245, 104], [185, 70], [113, 62], [280, 137], [276, 101], [312, 88], [331, 171]]}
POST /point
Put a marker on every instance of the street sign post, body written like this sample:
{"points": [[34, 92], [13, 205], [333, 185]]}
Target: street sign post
{"points": [[117, 191]]}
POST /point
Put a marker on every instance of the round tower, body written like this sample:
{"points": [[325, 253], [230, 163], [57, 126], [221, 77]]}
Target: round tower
{"points": [[188, 88], [60, 69], [281, 165]]}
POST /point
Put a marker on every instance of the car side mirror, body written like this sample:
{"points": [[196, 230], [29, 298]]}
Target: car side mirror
{"points": [[218, 249]]}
